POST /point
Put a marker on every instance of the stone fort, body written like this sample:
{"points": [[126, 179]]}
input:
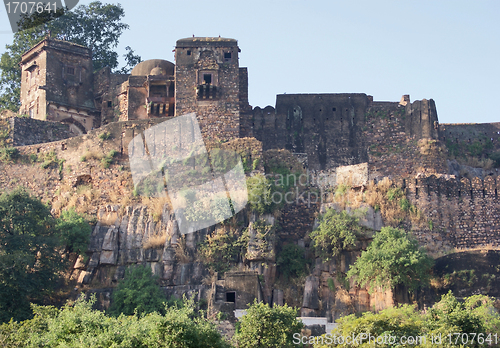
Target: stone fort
{"points": [[69, 104], [58, 84], [402, 140]]}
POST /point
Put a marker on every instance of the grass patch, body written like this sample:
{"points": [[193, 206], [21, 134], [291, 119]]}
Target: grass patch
{"points": [[105, 136], [8, 154], [155, 241]]}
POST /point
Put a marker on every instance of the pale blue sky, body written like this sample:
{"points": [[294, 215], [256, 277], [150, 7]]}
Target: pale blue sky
{"points": [[445, 50]]}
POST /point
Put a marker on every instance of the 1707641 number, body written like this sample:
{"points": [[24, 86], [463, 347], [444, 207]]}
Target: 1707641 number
{"points": [[29, 7]]}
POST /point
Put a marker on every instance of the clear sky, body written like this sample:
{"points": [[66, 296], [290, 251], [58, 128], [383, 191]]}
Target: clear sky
{"points": [[445, 50]]}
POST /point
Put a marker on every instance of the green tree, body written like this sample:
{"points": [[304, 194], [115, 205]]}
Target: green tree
{"points": [[336, 231], [221, 248], [259, 194], [30, 257], [291, 261], [393, 258], [137, 293], [97, 26], [74, 231], [266, 327]]}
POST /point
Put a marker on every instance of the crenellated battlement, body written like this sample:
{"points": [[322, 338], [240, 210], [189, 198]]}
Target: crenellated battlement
{"points": [[460, 213], [452, 187]]}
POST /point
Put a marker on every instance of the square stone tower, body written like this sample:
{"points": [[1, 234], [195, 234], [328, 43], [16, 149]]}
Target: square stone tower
{"points": [[57, 84], [207, 82]]}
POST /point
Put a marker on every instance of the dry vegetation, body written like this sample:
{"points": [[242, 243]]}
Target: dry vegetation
{"points": [[156, 206], [155, 240], [82, 199], [384, 197], [181, 252]]}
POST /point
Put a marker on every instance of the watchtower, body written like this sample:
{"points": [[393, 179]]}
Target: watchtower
{"points": [[207, 82], [57, 84]]}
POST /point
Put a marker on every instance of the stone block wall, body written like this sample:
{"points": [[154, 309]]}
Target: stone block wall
{"points": [[462, 214], [344, 129], [396, 144], [325, 126], [28, 131]]}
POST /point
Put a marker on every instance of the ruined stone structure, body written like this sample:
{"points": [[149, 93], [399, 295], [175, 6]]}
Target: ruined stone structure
{"points": [[401, 140], [327, 130], [57, 85]]}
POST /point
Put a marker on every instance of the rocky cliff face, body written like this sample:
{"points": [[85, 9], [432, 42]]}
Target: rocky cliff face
{"points": [[134, 236]]}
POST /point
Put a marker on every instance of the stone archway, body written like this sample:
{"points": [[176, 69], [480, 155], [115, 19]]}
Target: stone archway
{"points": [[75, 127]]}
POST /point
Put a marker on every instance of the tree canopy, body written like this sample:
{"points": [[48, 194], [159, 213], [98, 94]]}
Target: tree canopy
{"points": [[336, 231], [450, 323], [32, 251], [78, 325], [97, 26], [266, 327], [393, 258], [137, 293]]}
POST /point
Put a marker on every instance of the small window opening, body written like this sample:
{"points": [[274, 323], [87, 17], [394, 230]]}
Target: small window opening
{"points": [[70, 70], [110, 104], [334, 109], [231, 296], [189, 52], [207, 78], [227, 56]]}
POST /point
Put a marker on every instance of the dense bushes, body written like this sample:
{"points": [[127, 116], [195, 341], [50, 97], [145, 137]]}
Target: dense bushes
{"points": [[79, 325], [393, 258], [138, 293], [449, 323], [336, 231], [265, 327], [291, 261]]}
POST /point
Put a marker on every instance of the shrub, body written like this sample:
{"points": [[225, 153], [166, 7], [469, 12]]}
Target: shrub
{"points": [[446, 321], [255, 163], [107, 160], [336, 231], [291, 261], [265, 327], [8, 154], [259, 194], [74, 231], [392, 258], [80, 326], [221, 248], [105, 136], [50, 160], [138, 293]]}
